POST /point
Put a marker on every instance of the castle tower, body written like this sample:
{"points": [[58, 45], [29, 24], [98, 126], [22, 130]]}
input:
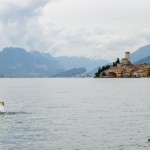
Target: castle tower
{"points": [[127, 56]]}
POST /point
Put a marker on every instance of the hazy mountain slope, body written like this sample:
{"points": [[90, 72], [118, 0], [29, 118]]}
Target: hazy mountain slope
{"points": [[141, 53], [75, 72], [144, 60], [92, 72], [17, 62], [79, 62]]}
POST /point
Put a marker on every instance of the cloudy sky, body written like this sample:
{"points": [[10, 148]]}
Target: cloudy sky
{"points": [[101, 29]]}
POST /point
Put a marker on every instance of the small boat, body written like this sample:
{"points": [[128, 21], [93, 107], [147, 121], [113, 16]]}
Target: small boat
{"points": [[2, 106]]}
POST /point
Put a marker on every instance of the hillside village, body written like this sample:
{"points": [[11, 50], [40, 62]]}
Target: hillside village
{"points": [[124, 69]]}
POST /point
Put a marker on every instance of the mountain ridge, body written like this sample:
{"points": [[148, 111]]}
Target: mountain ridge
{"points": [[75, 72], [80, 62], [17, 62], [140, 53]]}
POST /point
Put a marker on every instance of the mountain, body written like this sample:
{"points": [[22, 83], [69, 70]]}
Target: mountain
{"points": [[75, 72], [92, 72], [140, 54], [17, 62], [144, 60], [80, 62]]}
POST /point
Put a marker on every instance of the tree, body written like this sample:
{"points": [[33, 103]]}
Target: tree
{"points": [[148, 74], [114, 64], [96, 75], [99, 70], [107, 67], [103, 68], [118, 61]]}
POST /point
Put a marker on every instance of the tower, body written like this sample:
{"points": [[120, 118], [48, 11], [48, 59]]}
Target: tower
{"points": [[127, 56]]}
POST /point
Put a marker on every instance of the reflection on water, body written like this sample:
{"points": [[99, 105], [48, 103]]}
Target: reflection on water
{"points": [[75, 114], [13, 113]]}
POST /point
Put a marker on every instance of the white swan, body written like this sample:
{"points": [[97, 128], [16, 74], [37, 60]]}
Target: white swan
{"points": [[2, 106]]}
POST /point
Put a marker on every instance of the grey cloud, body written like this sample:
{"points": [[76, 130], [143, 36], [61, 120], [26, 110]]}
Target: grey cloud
{"points": [[78, 40], [120, 44], [18, 12], [19, 23], [20, 26], [145, 34]]}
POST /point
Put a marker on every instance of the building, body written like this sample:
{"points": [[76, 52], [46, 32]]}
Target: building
{"points": [[127, 55], [126, 60], [126, 69]]}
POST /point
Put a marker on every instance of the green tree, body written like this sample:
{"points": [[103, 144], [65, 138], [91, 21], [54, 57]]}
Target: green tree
{"points": [[103, 68], [96, 75], [148, 74], [107, 67], [99, 70], [118, 61], [114, 64]]}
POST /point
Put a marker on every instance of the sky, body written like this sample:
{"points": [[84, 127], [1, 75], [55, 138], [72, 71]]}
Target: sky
{"points": [[99, 29]]}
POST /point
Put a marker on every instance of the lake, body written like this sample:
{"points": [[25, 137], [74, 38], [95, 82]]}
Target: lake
{"points": [[75, 114]]}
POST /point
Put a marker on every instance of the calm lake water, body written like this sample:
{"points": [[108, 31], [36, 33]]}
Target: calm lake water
{"points": [[75, 114]]}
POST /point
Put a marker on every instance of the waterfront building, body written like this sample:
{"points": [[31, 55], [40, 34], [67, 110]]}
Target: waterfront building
{"points": [[126, 69]]}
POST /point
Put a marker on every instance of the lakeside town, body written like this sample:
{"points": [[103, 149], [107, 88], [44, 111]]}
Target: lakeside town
{"points": [[124, 69]]}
